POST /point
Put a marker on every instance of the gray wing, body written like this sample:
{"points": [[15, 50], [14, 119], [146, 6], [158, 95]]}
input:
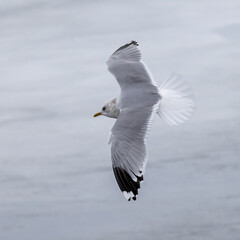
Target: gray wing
{"points": [[126, 66], [128, 148], [138, 105]]}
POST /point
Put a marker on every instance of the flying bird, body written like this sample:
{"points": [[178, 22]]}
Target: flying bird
{"points": [[139, 101]]}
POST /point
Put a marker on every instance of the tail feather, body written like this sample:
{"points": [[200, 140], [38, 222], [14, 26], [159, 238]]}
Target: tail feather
{"points": [[177, 103]]}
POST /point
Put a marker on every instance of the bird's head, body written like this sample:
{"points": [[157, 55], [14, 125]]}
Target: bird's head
{"points": [[104, 111], [109, 110]]}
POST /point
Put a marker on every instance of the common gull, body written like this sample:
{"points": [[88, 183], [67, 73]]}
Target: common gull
{"points": [[139, 101]]}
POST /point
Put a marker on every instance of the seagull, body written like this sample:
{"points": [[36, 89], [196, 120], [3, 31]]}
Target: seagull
{"points": [[139, 101]]}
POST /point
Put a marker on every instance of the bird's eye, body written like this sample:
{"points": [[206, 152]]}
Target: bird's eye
{"points": [[104, 108]]}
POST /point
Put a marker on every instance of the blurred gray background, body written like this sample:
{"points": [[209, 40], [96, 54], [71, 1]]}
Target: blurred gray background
{"points": [[56, 180]]}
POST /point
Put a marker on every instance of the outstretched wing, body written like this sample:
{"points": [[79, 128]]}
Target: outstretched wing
{"points": [[138, 104], [128, 147], [126, 66]]}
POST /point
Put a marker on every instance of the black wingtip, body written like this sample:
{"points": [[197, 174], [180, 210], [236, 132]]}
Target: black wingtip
{"points": [[134, 43], [126, 183], [126, 45]]}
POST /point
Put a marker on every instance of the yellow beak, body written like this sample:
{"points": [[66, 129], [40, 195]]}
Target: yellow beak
{"points": [[97, 114]]}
